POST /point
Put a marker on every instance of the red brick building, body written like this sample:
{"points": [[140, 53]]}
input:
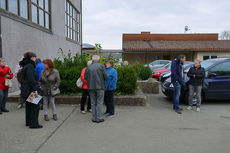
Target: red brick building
{"points": [[147, 47]]}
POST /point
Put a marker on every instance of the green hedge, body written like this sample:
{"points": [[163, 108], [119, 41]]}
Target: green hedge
{"points": [[70, 68], [143, 72]]}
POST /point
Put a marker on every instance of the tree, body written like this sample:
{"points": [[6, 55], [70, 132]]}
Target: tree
{"points": [[98, 48], [225, 35]]}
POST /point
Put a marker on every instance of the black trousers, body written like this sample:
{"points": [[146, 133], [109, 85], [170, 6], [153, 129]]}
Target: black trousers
{"points": [[109, 102], [85, 94], [32, 113]]}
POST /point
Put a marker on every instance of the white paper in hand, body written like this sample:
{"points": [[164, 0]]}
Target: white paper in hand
{"points": [[35, 100]]}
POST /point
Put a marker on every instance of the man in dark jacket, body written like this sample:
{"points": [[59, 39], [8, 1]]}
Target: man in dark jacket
{"points": [[95, 75], [196, 74], [177, 77]]}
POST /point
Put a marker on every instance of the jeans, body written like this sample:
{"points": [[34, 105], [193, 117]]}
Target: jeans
{"points": [[197, 90], [46, 101], [85, 94], [97, 98], [109, 102], [3, 98], [176, 95]]}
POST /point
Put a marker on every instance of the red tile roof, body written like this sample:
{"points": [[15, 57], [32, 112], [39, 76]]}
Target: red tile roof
{"points": [[209, 45]]}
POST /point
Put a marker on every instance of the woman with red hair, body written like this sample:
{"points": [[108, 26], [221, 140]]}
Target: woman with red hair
{"points": [[49, 83]]}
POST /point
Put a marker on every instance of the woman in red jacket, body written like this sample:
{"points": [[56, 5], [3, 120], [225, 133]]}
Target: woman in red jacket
{"points": [[85, 92], [5, 73]]}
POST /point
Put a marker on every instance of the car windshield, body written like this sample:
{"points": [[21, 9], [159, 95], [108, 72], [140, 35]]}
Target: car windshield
{"points": [[168, 66], [206, 64]]}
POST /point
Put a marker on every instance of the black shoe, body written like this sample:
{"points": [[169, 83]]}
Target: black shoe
{"points": [[36, 127], [181, 109], [110, 115], [94, 121], [0, 113], [178, 111], [5, 110], [100, 121]]}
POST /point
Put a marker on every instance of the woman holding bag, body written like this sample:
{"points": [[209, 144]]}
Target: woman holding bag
{"points": [[49, 83], [5, 83]]}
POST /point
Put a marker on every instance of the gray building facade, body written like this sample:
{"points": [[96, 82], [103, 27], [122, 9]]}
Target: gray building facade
{"points": [[41, 26]]}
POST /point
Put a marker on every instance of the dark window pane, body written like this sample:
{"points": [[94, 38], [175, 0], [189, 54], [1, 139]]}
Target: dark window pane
{"points": [[47, 5], [41, 17], [3, 4], [34, 14], [205, 57], [222, 69], [41, 3], [212, 57], [47, 21], [24, 8], [35, 1], [13, 6]]}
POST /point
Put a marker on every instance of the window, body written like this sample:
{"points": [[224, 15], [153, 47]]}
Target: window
{"points": [[222, 69], [72, 22], [206, 57], [39, 12]]}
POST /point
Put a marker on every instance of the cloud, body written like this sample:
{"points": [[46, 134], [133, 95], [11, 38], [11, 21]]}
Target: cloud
{"points": [[104, 21]]}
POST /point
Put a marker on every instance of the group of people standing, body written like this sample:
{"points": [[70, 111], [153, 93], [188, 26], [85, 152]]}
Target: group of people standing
{"points": [[38, 77], [196, 74], [99, 83]]}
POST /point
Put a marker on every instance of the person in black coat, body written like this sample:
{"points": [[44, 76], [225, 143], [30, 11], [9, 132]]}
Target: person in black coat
{"points": [[196, 74], [29, 86]]}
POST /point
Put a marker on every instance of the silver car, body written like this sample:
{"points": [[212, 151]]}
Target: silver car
{"points": [[158, 64]]}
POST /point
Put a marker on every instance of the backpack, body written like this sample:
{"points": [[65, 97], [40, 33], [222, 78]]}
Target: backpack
{"points": [[20, 76]]}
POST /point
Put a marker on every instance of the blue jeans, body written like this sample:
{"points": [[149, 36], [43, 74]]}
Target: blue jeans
{"points": [[3, 98], [176, 95]]}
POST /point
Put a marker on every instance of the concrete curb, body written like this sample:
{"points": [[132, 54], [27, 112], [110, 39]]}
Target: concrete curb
{"points": [[132, 100]]}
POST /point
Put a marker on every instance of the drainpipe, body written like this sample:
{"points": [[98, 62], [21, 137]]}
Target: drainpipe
{"points": [[0, 36], [81, 26]]}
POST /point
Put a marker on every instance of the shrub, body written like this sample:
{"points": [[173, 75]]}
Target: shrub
{"points": [[127, 80], [70, 70], [143, 72]]}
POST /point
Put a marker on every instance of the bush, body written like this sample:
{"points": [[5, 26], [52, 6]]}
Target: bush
{"points": [[127, 80], [143, 72], [70, 70]]}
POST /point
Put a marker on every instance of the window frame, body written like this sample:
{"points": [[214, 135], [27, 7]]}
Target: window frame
{"points": [[77, 21], [29, 15], [209, 57]]}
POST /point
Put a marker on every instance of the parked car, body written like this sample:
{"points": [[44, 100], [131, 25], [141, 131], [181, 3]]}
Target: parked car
{"points": [[216, 83], [157, 73], [165, 75], [158, 64]]}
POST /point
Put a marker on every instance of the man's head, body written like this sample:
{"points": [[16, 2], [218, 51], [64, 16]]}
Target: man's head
{"points": [[182, 58], [2, 62], [96, 58], [197, 63]]}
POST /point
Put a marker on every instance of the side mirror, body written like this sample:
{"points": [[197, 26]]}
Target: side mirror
{"points": [[211, 75]]}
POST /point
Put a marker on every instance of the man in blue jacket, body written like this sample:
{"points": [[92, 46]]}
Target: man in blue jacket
{"points": [[177, 77], [111, 87]]}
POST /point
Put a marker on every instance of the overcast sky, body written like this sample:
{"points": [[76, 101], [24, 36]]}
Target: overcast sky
{"points": [[104, 21]]}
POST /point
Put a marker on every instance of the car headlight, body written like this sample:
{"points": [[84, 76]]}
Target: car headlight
{"points": [[171, 85]]}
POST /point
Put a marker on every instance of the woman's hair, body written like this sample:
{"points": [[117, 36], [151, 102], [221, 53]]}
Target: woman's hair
{"points": [[38, 60], [49, 62], [28, 55], [109, 61], [89, 63], [197, 60]]}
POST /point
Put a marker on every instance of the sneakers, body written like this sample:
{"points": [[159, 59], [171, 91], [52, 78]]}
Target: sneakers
{"points": [[20, 106], [198, 109], [189, 108], [110, 115], [178, 111], [5, 110]]}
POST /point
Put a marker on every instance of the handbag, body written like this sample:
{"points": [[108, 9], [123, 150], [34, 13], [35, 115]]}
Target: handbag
{"points": [[55, 92], [79, 83], [8, 83]]}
